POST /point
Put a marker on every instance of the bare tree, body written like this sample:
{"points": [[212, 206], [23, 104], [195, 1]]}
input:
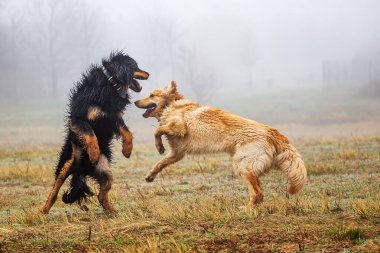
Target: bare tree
{"points": [[14, 43], [197, 73], [10, 50], [89, 29], [247, 57], [4, 58], [166, 32], [53, 38]]}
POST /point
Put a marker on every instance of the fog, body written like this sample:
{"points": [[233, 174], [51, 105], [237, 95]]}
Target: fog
{"points": [[217, 51]]}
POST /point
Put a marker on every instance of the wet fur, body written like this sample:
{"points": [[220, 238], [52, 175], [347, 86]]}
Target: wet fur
{"points": [[194, 129], [94, 118]]}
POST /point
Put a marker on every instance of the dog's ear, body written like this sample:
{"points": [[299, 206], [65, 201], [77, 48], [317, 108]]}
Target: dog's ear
{"points": [[172, 87], [172, 91]]}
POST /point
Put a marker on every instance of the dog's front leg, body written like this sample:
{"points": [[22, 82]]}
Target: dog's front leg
{"points": [[160, 165], [126, 137], [160, 131], [86, 135]]}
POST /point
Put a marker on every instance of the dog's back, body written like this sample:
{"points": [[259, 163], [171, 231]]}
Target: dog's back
{"points": [[210, 129]]}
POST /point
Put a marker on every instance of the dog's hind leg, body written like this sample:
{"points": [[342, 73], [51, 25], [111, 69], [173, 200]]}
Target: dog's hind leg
{"points": [[250, 168], [255, 191], [64, 172], [161, 164], [86, 135], [103, 175]]}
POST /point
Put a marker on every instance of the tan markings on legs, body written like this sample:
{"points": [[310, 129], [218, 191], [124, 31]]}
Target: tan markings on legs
{"points": [[77, 152], [94, 112], [127, 141], [160, 165], [103, 167], [57, 185], [92, 146], [255, 192]]}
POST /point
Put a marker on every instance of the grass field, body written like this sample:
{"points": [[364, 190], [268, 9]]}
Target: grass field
{"points": [[195, 205]]}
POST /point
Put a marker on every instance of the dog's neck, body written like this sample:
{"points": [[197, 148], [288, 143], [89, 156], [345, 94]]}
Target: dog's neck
{"points": [[120, 89], [178, 103]]}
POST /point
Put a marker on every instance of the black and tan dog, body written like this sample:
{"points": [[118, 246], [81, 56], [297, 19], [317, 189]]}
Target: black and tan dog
{"points": [[94, 117]]}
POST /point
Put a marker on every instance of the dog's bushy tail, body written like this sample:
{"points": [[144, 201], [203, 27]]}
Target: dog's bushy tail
{"points": [[290, 162], [78, 191]]}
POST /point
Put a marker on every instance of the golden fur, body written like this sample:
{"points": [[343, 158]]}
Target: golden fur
{"points": [[194, 129]]}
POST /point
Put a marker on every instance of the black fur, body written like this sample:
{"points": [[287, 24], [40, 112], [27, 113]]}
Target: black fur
{"points": [[95, 89]]}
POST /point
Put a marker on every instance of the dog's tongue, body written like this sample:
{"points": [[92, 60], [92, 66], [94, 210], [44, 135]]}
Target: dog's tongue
{"points": [[135, 86], [139, 87], [147, 112]]}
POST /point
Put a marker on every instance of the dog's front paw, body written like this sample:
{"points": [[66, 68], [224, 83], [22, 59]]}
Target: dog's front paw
{"points": [[160, 148], [93, 153], [45, 210], [127, 149], [149, 178]]}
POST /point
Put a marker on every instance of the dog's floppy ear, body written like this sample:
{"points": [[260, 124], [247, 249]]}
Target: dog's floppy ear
{"points": [[172, 88]]}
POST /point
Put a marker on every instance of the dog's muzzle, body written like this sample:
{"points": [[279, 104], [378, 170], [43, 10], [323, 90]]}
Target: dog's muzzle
{"points": [[149, 108], [141, 75]]}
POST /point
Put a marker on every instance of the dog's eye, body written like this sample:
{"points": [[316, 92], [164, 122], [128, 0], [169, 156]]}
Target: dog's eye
{"points": [[151, 95]]}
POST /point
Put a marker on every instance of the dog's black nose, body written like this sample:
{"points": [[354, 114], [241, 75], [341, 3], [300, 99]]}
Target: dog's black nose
{"points": [[136, 103]]}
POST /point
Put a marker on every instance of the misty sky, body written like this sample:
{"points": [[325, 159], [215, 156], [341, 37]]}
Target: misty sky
{"points": [[265, 60], [254, 44], [289, 39]]}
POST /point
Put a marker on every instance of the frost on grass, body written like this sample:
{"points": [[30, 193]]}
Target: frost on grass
{"points": [[195, 205]]}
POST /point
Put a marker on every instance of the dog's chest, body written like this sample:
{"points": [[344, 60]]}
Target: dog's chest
{"points": [[97, 113]]}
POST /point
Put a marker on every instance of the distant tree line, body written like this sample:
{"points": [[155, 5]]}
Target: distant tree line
{"points": [[47, 44], [354, 73], [43, 42]]}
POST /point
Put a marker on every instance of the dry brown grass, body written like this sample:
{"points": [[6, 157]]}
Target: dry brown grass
{"points": [[195, 205]]}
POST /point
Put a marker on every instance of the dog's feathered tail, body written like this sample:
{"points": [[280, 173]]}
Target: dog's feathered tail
{"points": [[290, 162], [78, 190]]}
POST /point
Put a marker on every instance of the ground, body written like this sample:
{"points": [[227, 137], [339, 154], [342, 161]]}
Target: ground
{"points": [[198, 205]]}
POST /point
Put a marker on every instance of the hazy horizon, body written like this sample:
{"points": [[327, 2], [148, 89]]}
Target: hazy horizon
{"points": [[280, 62]]}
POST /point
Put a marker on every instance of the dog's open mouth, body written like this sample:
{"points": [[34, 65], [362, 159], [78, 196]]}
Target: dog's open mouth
{"points": [[140, 75], [135, 85], [149, 109]]}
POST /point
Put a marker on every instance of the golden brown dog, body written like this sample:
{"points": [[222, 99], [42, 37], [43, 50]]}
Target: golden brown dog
{"points": [[194, 129]]}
